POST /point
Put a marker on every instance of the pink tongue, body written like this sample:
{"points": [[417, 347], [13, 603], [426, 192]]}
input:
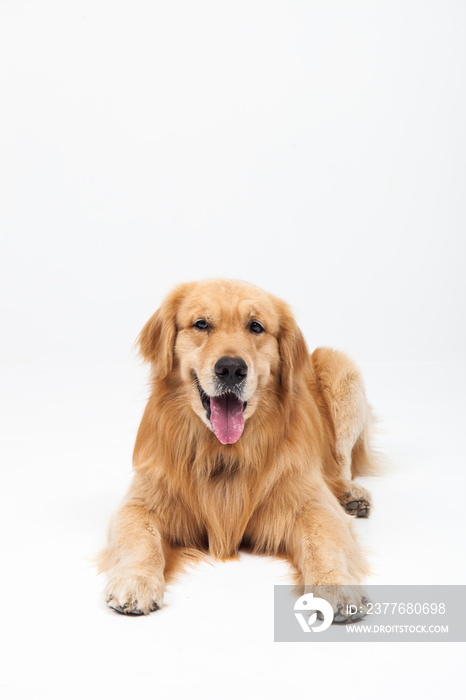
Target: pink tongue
{"points": [[227, 418]]}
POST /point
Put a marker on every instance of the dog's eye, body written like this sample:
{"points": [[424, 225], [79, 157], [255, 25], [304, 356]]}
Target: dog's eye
{"points": [[201, 325], [256, 327]]}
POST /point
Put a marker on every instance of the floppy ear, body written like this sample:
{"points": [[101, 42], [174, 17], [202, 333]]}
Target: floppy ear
{"points": [[157, 339], [293, 349]]}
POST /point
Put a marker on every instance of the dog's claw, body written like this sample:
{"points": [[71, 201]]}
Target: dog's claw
{"points": [[339, 618]]}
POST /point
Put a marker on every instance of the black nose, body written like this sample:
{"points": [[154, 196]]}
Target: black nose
{"points": [[231, 370]]}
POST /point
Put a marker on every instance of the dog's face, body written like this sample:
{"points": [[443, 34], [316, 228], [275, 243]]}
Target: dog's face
{"points": [[227, 348], [230, 343]]}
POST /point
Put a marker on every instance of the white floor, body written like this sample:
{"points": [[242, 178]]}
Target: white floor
{"points": [[67, 438]]}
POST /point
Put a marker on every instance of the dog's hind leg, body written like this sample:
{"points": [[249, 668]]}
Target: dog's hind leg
{"points": [[342, 385]]}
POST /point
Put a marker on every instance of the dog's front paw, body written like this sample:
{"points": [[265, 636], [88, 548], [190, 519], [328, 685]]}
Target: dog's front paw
{"points": [[135, 595], [349, 603]]}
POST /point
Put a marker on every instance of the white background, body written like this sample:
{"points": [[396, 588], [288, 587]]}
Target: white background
{"points": [[316, 149]]}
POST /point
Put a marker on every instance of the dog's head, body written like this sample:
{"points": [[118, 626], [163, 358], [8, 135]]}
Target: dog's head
{"points": [[227, 342]]}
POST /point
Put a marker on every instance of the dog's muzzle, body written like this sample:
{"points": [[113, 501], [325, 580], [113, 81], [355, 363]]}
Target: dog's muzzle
{"points": [[225, 409]]}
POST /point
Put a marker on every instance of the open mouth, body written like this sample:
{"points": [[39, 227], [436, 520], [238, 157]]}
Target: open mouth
{"points": [[225, 413]]}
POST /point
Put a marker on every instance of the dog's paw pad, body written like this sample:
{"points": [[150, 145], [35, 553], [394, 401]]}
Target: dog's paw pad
{"points": [[356, 501], [358, 508]]}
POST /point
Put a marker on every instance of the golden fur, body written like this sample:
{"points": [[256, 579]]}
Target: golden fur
{"points": [[285, 487]]}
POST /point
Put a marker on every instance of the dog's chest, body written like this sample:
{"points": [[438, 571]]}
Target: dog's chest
{"points": [[225, 505]]}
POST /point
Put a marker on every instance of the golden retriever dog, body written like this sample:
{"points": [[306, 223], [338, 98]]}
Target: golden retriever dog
{"points": [[247, 440]]}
